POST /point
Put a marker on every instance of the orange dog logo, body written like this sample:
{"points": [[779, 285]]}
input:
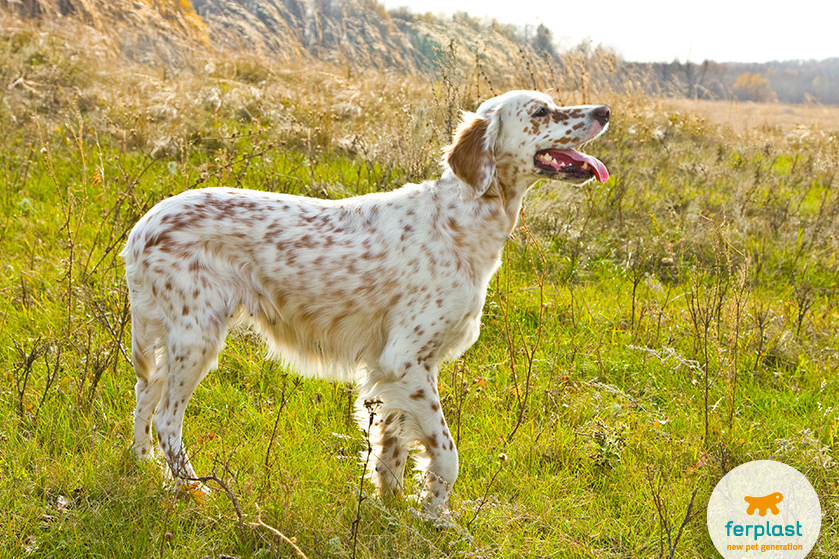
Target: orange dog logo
{"points": [[762, 504]]}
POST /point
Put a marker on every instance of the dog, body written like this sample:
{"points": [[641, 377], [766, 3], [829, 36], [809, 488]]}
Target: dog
{"points": [[378, 290]]}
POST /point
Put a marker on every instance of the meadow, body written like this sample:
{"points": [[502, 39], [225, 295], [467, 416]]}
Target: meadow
{"points": [[642, 338]]}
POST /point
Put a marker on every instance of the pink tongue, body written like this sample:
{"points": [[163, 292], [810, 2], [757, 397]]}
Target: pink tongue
{"points": [[579, 158]]}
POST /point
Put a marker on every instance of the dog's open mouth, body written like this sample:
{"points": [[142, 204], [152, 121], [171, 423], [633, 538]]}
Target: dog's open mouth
{"points": [[570, 165]]}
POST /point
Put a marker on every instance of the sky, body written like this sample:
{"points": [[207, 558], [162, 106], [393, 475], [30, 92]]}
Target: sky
{"points": [[663, 31]]}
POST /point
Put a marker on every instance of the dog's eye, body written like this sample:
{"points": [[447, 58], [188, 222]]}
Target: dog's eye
{"points": [[541, 111]]}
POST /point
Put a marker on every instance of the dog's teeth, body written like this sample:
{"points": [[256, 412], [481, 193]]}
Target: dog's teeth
{"points": [[585, 167]]}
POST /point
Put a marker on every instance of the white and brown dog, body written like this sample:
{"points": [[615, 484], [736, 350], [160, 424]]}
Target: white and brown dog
{"points": [[378, 290]]}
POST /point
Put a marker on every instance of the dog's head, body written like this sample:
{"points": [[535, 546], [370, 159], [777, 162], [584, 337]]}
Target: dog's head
{"points": [[522, 136]]}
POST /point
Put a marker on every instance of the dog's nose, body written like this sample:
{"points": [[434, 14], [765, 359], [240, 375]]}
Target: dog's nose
{"points": [[602, 114]]}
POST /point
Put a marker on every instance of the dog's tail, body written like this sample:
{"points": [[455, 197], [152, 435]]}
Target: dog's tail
{"points": [[147, 325], [147, 353]]}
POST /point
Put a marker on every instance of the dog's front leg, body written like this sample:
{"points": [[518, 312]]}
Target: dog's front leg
{"points": [[437, 464], [406, 410]]}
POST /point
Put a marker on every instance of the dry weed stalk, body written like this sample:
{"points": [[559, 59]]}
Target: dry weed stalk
{"points": [[656, 480], [22, 373], [289, 541], [528, 345], [716, 317], [502, 459], [372, 406]]}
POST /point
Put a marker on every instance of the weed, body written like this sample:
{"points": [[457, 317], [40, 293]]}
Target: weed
{"points": [[655, 481]]}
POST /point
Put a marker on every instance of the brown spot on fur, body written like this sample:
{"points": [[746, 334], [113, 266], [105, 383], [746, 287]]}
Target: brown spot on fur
{"points": [[559, 117], [162, 238], [305, 242], [418, 395], [388, 442]]}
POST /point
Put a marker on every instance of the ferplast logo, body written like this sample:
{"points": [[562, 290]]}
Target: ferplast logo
{"points": [[762, 504], [766, 508]]}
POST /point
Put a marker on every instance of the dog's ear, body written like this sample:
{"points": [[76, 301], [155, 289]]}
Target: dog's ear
{"points": [[471, 156]]}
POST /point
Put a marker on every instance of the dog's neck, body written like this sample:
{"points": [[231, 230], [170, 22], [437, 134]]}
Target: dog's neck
{"points": [[482, 224]]}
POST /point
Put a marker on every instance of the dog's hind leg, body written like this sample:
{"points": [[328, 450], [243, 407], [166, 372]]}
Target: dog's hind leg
{"points": [[150, 368], [191, 354]]}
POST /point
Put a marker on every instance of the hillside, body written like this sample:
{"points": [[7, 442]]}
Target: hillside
{"points": [[145, 31], [356, 34], [360, 34]]}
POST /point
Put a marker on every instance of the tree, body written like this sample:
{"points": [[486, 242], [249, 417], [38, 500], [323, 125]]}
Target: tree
{"points": [[754, 87], [543, 42]]}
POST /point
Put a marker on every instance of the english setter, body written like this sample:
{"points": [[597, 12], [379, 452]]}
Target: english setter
{"points": [[377, 290]]}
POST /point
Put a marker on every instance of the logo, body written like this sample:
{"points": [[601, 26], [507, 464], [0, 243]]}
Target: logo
{"points": [[783, 523], [763, 503]]}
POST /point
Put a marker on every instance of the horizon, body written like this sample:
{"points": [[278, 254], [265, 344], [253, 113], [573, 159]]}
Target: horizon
{"points": [[651, 31]]}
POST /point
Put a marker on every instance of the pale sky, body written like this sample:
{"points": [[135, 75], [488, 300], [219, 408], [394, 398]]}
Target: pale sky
{"points": [[666, 30]]}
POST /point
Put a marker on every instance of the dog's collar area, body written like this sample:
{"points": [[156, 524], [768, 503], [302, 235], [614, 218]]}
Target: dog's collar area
{"points": [[570, 164]]}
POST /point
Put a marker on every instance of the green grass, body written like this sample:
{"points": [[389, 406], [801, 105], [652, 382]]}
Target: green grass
{"points": [[642, 338]]}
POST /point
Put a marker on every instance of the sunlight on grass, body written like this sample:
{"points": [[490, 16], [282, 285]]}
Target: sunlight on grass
{"points": [[642, 338]]}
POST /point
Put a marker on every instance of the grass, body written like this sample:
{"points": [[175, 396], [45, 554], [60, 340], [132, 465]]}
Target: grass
{"points": [[642, 338]]}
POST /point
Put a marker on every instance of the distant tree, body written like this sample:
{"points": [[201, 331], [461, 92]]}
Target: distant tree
{"points": [[543, 42], [402, 12], [754, 87]]}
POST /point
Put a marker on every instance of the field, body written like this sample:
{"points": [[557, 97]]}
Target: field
{"points": [[642, 338], [759, 120]]}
